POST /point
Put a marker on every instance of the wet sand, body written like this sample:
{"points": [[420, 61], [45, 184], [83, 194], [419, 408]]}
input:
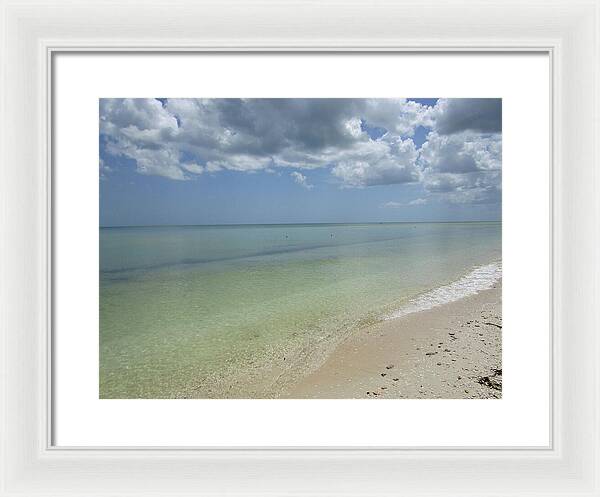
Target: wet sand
{"points": [[453, 351]]}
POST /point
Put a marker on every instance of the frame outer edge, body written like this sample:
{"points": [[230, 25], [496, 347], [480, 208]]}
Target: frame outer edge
{"points": [[595, 163], [9, 204], [3, 258]]}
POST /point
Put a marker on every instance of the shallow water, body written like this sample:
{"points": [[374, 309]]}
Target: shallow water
{"points": [[237, 311]]}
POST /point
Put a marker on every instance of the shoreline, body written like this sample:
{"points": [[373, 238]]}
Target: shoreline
{"points": [[451, 351], [430, 347]]}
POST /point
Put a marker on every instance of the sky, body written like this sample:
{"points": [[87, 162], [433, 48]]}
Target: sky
{"points": [[187, 161]]}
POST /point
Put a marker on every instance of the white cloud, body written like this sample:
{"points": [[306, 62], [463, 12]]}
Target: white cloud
{"points": [[353, 126], [460, 161], [461, 153], [300, 179], [193, 168], [395, 205], [463, 167], [390, 161], [253, 134], [398, 116], [104, 169], [134, 113]]}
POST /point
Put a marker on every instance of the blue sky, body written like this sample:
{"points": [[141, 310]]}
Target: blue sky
{"points": [[228, 161]]}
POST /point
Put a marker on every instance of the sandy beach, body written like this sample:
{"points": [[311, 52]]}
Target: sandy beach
{"points": [[453, 351]]}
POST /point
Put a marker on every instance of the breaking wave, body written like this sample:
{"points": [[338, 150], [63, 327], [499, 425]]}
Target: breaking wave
{"points": [[481, 278]]}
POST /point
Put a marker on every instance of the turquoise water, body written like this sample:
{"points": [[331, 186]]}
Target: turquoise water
{"points": [[241, 311]]}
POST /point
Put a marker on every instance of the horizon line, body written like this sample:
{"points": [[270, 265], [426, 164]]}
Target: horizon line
{"points": [[290, 224]]}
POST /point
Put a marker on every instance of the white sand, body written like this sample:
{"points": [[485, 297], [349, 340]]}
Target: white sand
{"points": [[450, 351]]}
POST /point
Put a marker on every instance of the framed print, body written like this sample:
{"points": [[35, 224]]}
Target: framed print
{"points": [[250, 250]]}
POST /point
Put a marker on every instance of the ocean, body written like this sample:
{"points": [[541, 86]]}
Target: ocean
{"points": [[241, 311]]}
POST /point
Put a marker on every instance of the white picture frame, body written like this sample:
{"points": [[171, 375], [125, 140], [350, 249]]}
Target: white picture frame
{"points": [[568, 31]]}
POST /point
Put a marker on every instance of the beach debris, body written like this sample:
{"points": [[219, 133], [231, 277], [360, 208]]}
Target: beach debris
{"points": [[389, 366], [493, 381], [430, 353], [446, 350], [493, 324], [383, 388], [490, 382], [439, 363]]}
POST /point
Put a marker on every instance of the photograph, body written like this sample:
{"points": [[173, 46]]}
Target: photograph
{"points": [[300, 248]]}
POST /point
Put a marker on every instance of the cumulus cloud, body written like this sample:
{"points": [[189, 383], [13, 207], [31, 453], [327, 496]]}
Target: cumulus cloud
{"points": [[397, 116], [390, 160], [488, 194], [453, 115], [462, 153], [300, 179], [477, 188], [179, 139], [253, 134], [463, 167]]}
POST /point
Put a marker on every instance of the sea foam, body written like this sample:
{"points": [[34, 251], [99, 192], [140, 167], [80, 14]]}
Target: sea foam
{"points": [[481, 278]]}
